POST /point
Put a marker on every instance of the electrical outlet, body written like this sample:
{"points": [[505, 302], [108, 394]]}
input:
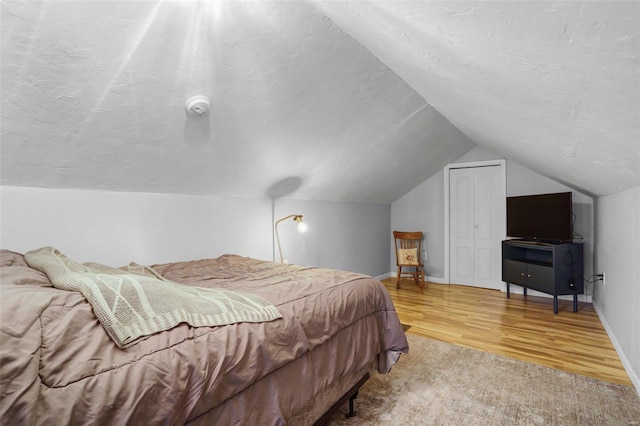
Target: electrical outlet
{"points": [[424, 255], [603, 278]]}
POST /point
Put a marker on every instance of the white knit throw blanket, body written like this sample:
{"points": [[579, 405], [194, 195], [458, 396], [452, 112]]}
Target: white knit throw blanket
{"points": [[135, 301]]}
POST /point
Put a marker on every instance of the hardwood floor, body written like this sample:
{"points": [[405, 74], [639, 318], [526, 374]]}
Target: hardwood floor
{"points": [[519, 327]]}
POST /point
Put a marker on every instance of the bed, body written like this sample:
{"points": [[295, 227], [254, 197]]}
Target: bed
{"points": [[58, 365]]}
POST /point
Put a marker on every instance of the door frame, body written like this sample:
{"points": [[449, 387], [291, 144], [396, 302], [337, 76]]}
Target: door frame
{"points": [[502, 163]]}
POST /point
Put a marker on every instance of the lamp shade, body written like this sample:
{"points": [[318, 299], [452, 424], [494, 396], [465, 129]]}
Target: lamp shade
{"points": [[302, 227]]}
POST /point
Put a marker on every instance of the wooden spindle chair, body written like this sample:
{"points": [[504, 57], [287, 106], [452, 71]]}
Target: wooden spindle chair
{"points": [[408, 251]]}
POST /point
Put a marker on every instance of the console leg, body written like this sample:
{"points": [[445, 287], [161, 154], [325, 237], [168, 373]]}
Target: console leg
{"points": [[525, 291], [575, 302], [555, 304], [508, 290]]}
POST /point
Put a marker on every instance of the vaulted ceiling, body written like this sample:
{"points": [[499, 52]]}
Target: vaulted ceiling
{"points": [[345, 101]]}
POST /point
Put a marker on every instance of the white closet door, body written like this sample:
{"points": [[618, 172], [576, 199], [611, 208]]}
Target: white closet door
{"points": [[490, 223], [461, 221], [476, 220]]}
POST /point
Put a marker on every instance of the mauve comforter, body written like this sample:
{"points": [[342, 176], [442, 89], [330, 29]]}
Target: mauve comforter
{"points": [[59, 366]]}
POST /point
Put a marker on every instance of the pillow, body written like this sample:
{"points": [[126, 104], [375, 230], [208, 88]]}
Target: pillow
{"points": [[408, 256]]}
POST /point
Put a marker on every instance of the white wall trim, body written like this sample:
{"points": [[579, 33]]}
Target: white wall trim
{"points": [[502, 163], [436, 280], [383, 276], [623, 358]]}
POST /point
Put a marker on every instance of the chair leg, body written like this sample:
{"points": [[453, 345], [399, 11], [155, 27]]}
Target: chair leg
{"points": [[419, 277], [398, 282]]}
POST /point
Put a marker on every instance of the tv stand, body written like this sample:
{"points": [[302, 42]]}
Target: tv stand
{"points": [[552, 268]]}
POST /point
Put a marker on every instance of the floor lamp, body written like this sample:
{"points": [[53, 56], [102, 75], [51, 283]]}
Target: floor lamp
{"points": [[302, 228]]}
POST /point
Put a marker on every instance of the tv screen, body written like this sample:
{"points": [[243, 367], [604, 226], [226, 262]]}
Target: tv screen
{"points": [[545, 217]]}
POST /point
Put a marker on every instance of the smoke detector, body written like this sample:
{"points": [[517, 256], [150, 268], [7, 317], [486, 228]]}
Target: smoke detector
{"points": [[198, 105]]}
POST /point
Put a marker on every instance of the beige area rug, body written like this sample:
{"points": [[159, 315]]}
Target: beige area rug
{"points": [[442, 384]]}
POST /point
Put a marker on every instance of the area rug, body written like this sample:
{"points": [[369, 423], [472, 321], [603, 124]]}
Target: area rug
{"points": [[439, 383]]}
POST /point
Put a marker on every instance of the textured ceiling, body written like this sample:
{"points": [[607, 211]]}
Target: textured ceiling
{"points": [[351, 101], [93, 96], [553, 85]]}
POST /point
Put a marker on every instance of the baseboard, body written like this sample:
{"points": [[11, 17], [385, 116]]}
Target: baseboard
{"points": [[427, 278], [383, 276], [623, 358]]}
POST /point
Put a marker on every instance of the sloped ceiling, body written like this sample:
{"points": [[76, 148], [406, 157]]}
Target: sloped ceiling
{"points": [[93, 96], [350, 101], [553, 85]]}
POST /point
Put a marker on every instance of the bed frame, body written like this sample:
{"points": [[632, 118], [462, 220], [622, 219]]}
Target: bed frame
{"points": [[350, 395]]}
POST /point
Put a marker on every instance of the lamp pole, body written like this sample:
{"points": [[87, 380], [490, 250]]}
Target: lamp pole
{"points": [[302, 227]]}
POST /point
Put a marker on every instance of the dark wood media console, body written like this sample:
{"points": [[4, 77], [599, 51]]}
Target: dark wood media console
{"points": [[552, 268]]}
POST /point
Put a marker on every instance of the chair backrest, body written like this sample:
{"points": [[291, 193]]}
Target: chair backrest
{"points": [[407, 241]]}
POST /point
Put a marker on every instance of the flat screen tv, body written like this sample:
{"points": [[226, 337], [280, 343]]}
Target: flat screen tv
{"points": [[543, 217]]}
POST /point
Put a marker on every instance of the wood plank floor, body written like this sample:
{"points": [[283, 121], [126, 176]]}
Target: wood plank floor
{"points": [[519, 327]]}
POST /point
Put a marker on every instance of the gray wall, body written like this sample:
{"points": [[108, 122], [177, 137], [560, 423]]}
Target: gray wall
{"points": [[618, 256], [422, 208], [118, 227], [346, 236]]}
